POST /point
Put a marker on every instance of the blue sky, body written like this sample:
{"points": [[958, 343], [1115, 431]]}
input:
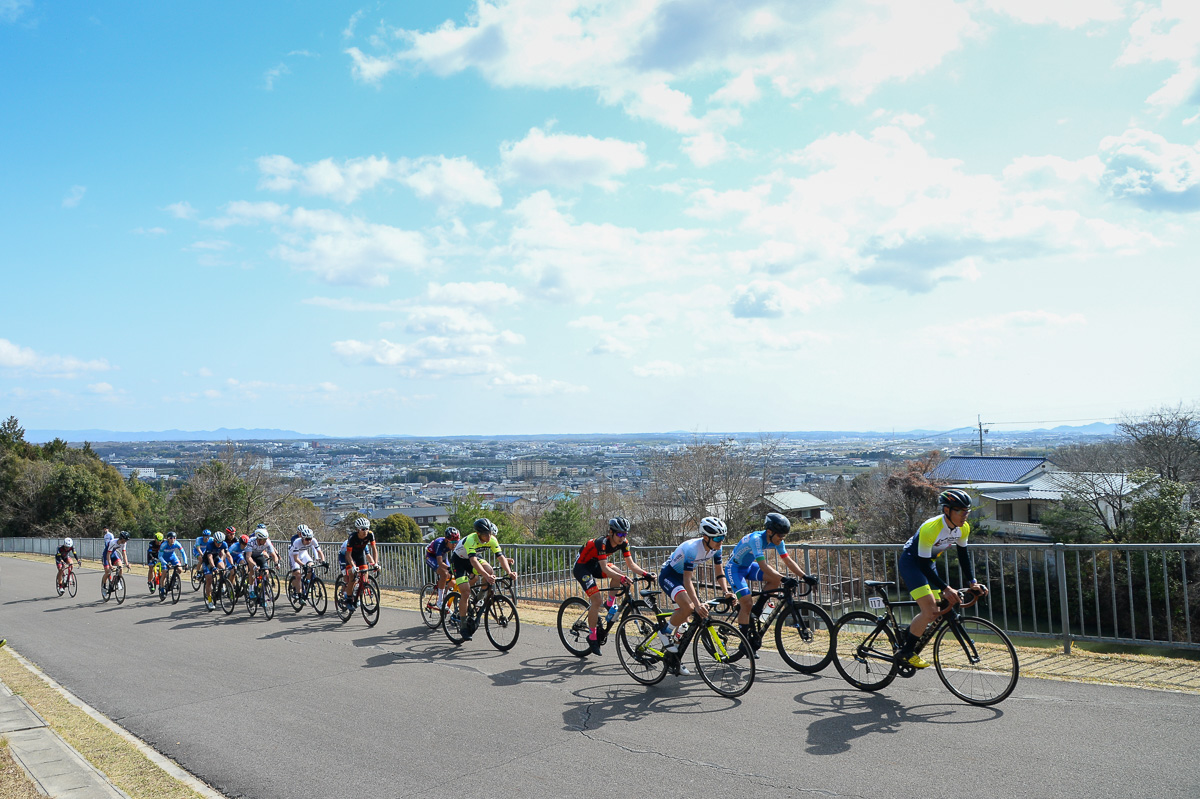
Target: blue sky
{"points": [[540, 216]]}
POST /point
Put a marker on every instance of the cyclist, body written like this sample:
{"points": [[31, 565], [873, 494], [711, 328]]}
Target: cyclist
{"points": [[437, 558], [216, 556], [201, 544], [748, 561], [361, 553], [592, 565], [259, 549], [916, 566], [303, 551], [114, 553], [152, 559], [675, 577], [62, 556], [468, 564], [171, 555]]}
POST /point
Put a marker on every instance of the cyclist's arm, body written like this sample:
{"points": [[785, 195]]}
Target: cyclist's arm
{"points": [[610, 570], [966, 562], [633, 566], [374, 554]]}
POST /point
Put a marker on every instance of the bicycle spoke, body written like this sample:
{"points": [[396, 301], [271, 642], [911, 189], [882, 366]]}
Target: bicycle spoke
{"points": [[976, 661]]}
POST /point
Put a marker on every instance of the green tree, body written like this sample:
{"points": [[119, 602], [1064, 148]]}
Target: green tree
{"points": [[465, 509], [1072, 521], [397, 529], [566, 524], [1160, 512]]}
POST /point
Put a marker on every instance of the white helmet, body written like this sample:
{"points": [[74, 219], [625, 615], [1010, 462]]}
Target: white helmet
{"points": [[305, 531], [70, 543], [261, 534], [362, 523], [712, 527]]}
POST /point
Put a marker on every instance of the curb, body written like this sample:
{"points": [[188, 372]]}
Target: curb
{"points": [[166, 764]]}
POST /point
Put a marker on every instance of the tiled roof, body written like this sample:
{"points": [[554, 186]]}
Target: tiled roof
{"points": [[992, 469], [794, 500]]}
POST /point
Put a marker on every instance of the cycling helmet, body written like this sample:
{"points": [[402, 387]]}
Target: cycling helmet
{"points": [[206, 533], [219, 537], [955, 499], [619, 525], [158, 536], [261, 534], [260, 526], [68, 542], [108, 537], [305, 531], [244, 540], [712, 527], [777, 523], [452, 534], [485, 527], [124, 535], [171, 534], [362, 523], [231, 530]]}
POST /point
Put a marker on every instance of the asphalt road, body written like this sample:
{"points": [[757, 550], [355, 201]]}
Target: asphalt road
{"points": [[305, 707]]}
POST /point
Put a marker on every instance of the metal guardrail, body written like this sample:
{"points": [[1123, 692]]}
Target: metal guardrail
{"points": [[1141, 594]]}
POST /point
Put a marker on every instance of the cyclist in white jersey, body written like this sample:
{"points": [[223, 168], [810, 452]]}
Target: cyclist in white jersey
{"points": [[304, 551], [676, 577]]}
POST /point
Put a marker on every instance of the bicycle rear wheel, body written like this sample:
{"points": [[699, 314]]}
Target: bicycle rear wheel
{"points": [[431, 614], [640, 658], [976, 661], [116, 587], [573, 628], [317, 597], [864, 646], [341, 602], [501, 622], [450, 619], [369, 603], [718, 650], [197, 578], [294, 599], [72, 584], [268, 601], [804, 637]]}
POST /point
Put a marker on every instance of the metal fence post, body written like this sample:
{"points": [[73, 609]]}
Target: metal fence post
{"points": [[1060, 564]]}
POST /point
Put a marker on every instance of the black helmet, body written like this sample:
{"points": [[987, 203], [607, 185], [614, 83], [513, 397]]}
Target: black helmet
{"points": [[777, 523], [955, 499], [124, 535], [618, 524], [485, 526]]}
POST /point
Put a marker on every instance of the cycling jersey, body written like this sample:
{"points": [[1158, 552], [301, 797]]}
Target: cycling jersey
{"points": [[933, 538], [753, 547], [472, 543], [600, 549], [171, 554], [439, 547], [299, 546], [113, 553], [199, 545], [217, 550], [689, 553], [356, 548], [152, 551], [257, 549], [65, 553], [237, 552]]}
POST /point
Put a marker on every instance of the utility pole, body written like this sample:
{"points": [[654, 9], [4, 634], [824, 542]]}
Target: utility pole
{"points": [[979, 421]]}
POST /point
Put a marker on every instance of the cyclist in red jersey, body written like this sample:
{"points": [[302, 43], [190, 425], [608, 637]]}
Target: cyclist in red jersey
{"points": [[592, 564]]}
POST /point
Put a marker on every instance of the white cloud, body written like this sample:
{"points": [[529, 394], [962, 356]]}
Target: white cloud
{"points": [[181, 210], [100, 388], [740, 90], [447, 181], [771, 298], [1065, 13], [348, 33], [564, 160], [1147, 170], [74, 196], [11, 10], [659, 369], [481, 294], [211, 245], [371, 69], [14, 356], [149, 231], [451, 181], [1006, 330], [530, 385], [1168, 32], [204, 371], [273, 74]]}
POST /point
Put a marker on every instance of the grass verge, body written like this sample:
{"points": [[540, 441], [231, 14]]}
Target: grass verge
{"points": [[14, 782]]}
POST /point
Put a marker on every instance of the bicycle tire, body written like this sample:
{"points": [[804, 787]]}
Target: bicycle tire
{"points": [[272, 582], [635, 649], [72, 584], [341, 605], [982, 669], [501, 622], [226, 595], [427, 604], [856, 657], [175, 588], [267, 600], [251, 604], [105, 590], [119, 590], [573, 629], [369, 603], [196, 579], [718, 649], [317, 596], [59, 586], [296, 600], [450, 619], [804, 637]]}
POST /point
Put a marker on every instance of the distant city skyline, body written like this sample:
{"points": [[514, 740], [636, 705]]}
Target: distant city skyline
{"points": [[504, 218]]}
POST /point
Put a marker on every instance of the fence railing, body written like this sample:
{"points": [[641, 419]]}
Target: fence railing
{"points": [[1142, 594]]}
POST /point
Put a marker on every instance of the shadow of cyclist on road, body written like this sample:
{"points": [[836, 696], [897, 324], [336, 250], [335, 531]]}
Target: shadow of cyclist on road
{"points": [[598, 705]]}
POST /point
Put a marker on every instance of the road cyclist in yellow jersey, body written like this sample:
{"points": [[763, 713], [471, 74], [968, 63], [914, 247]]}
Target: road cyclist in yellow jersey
{"points": [[468, 565], [917, 568]]}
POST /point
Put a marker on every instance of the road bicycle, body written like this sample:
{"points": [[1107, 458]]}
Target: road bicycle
{"points": [[263, 594], [431, 612], [488, 602], [803, 630], [226, 590], [973, 657], [573, 628], [153, 576], [312, 590], [719, 650], [366, 596], [68, 583], [113, 585], [197, 574], [173, 586]]}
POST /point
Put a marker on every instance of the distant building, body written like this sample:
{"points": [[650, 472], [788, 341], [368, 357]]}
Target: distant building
{"points": [[528, 467], [796, 505]]}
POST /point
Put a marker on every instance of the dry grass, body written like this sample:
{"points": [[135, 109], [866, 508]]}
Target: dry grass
{"points": [[14, 782], [120, 761]]}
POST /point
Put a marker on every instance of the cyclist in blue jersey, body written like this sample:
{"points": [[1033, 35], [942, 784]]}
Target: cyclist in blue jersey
{"points": [[916, 566], [675, 577], [216, 556], [171, 555], [437, 558], [201, 544], [748, 562]]}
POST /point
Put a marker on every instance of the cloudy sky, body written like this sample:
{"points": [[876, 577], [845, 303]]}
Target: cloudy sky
{"points": [[550, 216]]}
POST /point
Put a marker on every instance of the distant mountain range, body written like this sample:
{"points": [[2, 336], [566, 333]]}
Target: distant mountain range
{"points": [[259, 434]]}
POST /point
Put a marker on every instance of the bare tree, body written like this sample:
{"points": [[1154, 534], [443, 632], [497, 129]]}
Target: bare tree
{"points": [[708, 479], [1096, 475], [1166, 440]]}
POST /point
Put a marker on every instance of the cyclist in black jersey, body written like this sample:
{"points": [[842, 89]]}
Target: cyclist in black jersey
{"points": [[361, 552], [63, 555]]}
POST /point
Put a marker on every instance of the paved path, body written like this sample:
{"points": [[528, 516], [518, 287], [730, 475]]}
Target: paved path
{"points": [[304, 707]]}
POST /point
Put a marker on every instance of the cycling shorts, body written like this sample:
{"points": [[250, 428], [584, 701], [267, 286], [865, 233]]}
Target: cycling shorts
{"points": [[586, 574], [738, 576], [61, 559], [359, 556], [462, 568], [916, 582], [301, 560], [431, 563], [670, 581], [260, 560], [341, 561], [170, 560], [237, 557]]}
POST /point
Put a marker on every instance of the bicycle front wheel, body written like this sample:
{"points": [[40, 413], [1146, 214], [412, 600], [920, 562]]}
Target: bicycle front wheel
{"points": [[502, 623], [268, 601], [573, 628], [105, 589], [976, 661], [251, 604], [72, 584], [804, 637], [369, 603], [864, 647], [317, 597], [341, 602], [431, 614], [637, 652], [116, 587], [720, 652], [450, 619], [175, 588]]}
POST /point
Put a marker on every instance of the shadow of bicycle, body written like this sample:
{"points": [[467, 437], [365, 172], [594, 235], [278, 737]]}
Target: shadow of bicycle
{"points": [[602, 704]]}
